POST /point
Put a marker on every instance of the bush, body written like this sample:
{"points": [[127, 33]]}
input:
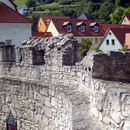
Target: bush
{"points": [[97, 49], [124, 49], [85, 47]]}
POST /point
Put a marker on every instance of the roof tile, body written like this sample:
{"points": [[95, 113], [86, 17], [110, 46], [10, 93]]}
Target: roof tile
{"points": [[75, 30], [8, 15]]}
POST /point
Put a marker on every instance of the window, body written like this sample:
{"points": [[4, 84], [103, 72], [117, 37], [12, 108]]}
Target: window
{"points": [[107, 42], [11, 122], [82, 28], [96, 28], [69, 28], [113, 42]]}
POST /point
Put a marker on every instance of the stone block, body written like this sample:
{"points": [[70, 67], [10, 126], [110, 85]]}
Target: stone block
{"points": [[125, 109], [2, 99], [106, 120], [126, 125]]}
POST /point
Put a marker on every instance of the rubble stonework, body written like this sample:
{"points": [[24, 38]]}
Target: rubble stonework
{"points": [[46, 91]]}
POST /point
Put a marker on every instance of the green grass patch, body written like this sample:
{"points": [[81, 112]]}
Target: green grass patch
{"points": [[20, 2]]}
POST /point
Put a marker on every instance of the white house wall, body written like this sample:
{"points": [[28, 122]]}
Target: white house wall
{"points": [[7, 2], [51, 28], [107, 48], [125, 21], [17, 32]]}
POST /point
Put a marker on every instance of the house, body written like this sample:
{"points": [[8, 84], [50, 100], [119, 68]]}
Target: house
{"points": [[10, 3], [125, 19], [23, 10], [85, 16], [44, 21], [81, 29], [106, 27], [14, 28], [115, 39]]}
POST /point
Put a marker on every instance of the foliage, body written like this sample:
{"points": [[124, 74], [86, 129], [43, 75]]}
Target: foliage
{"points": [[115, 17], [65, 2], [20, 2], [85, 46], [69, 12], [127, 10], [124, 49], [107, 11], [104, 11], [97, 49], [31, 3], [117, 2]]}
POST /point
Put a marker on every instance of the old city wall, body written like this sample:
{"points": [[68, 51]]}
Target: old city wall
{"points": [[59, 92]]}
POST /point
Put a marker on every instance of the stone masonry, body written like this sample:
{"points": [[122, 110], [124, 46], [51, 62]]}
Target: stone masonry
{"points": [[48, 87]]}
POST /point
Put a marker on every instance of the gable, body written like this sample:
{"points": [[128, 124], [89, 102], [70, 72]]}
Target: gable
{"points": [[41, 25], [51, 28], [110, 37], [125, 21]]}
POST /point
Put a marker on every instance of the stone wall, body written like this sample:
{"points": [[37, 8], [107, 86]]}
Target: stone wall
{"points": [[60, 95], [114, 66], [35, 106]]}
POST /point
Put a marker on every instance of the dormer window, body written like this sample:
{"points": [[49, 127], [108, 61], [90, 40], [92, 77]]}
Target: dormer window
{"points": [[94, 26], [82, 28], [69, 28], [96, 29]]}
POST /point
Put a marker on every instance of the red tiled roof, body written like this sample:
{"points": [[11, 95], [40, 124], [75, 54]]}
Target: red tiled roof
{"points": [[106, 27], [88, 31], [8, 15], [47, 19], [120, 33], [41, 34]]}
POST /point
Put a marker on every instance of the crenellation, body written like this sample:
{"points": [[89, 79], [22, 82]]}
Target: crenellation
{"points": [[46, 91]]}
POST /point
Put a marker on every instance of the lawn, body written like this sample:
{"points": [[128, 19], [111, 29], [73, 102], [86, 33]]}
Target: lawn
{"points": [[20, 2]]}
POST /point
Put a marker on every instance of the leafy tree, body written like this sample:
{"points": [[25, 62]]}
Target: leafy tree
{"points": [[117, 2], [31, 3], [104, 11], [85, 46], [115, 17], [127, 10]]}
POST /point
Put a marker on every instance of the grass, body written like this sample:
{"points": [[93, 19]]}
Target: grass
{"points": [[20, 2]]}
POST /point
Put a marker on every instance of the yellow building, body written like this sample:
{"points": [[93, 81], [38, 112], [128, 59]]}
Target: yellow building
{"points": [[44, 21]]}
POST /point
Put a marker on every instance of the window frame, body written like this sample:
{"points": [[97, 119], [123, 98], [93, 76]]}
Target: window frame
{"points": [[82, 28], [113, 42], [69, 28], [96, 28], [107, 42]]}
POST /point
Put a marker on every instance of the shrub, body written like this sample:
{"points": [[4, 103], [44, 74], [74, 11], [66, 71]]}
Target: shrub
{"points": [[85, 47]]}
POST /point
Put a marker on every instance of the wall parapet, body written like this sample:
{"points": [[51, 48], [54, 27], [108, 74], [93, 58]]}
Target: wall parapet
{"points": [[114, 66], [53, 93]]}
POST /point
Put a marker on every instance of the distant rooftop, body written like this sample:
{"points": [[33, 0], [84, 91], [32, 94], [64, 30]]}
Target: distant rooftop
{"points": [[8, 15]]}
